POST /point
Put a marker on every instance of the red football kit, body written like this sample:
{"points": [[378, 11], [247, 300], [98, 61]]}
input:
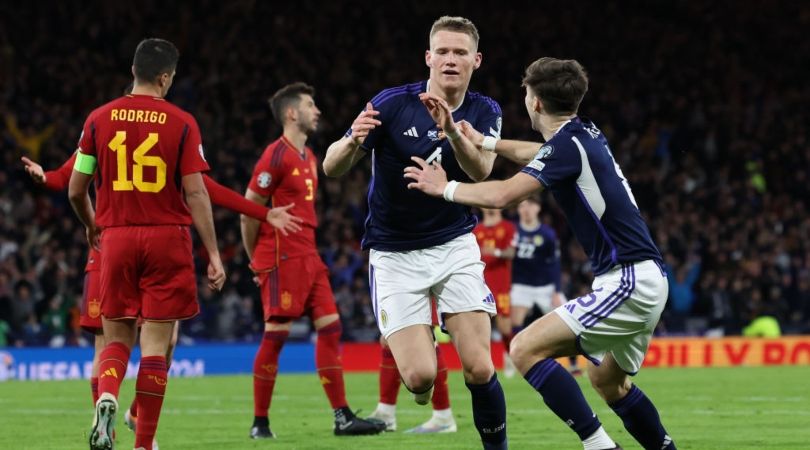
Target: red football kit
{"points": [[90, 317], [144, 146], [294, 280], [498, 271]]}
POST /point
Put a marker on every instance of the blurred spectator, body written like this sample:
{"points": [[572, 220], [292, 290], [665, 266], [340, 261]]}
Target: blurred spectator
{"points": [[718, 146]]}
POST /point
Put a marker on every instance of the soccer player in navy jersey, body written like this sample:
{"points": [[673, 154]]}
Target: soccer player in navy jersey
{"points": [[420, 246], [612, 325]]}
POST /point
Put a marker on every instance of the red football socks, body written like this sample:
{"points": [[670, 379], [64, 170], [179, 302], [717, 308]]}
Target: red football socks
{"points": [[112, 368], [94, 389], [441, 394], [327, 361], [149, 389], [265, 369], [389, 378]]}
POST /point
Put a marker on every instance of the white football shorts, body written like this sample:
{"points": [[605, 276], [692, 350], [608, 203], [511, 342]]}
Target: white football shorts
{"points": [[620, 314], [528, 296], [403, 282]]}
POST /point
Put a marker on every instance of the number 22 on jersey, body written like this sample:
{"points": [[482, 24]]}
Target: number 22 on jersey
{"points": [[122, 182]]}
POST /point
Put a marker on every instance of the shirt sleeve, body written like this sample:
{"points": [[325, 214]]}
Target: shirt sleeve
{"points": [[266, 177], [87, 142], [226, 198], [57, 180], [491, 119], [193, 157], [554, 164]]}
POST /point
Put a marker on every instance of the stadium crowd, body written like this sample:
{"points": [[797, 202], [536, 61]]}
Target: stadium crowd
{"points": [[710, 123]]}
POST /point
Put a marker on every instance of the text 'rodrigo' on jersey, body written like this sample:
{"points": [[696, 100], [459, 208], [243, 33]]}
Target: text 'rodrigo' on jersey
{"points": [[400, 219], [537, 257], [576, 165], [144, 146]]}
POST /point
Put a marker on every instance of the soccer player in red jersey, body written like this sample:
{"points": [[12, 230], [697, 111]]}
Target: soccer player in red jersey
{"points": [[90, 310], [149, 189], [293, 279], [494, 236]]}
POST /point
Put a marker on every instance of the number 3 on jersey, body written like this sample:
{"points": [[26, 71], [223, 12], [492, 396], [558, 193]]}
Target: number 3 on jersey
{"points": [[140, 160], [310, 189]]}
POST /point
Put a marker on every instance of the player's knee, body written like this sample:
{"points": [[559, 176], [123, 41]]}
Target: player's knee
{"points": [[479, 372], [608, 387], [418, 379]]}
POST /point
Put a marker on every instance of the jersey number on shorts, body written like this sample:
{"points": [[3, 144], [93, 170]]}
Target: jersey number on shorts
{"points": [[140, 160]]}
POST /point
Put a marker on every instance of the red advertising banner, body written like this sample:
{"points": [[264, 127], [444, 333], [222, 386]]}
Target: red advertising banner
{"points": [[663, 352]]}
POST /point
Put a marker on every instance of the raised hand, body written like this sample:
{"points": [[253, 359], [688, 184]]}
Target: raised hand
{"points": [[430, 179], [439, 110], [364, 123], [284, 221], [34, 170], [475, 136]]}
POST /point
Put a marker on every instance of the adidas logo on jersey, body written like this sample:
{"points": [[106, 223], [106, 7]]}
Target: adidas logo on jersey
{"points": [[411, 132]]}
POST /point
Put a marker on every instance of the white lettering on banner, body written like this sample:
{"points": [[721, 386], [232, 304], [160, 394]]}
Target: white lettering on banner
{"points": [[75, 370]]}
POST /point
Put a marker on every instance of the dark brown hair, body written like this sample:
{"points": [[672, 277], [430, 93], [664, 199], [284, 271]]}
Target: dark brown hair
{"points": [[287, 96], [560, 83]]}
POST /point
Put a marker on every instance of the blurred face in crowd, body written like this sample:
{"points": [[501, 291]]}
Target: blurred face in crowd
{"points": [[306, 114], [452, 58], [528, 211]]}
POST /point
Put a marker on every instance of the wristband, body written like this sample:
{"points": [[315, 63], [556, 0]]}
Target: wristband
{"points": [[452, 135], [498, 253], [489, 143], [85, 164], [450, 190]]}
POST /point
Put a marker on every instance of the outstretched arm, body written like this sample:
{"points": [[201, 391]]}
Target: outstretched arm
{"points": [[432, 180], [475, 163], [277, 217], [345, 152], [521, 152]]}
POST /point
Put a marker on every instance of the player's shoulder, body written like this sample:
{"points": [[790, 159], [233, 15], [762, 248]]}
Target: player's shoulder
{"points": [[397, 94], [548, 230], [273, 154], [484, 102]]}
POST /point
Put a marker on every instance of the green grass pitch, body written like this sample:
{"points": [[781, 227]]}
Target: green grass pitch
{"points": [[735, 408]]}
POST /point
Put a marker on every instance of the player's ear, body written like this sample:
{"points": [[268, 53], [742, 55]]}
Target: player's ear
{"points": [[427, 58], [537, 105], [478, 58]]}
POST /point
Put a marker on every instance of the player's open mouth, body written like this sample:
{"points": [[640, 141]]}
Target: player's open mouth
{"points": [[450, 73]]}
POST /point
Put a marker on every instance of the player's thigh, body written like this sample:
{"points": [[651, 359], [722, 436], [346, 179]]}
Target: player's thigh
{"points": [[413, 350], [503, 324], [546, 337], [400, 284], [119, 273], [168, 283], [518, 315], [462, 287], [321, 300], [470, 331]]}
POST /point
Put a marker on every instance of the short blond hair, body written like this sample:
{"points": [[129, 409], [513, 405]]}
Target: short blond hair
{"points": [[456, 24]]}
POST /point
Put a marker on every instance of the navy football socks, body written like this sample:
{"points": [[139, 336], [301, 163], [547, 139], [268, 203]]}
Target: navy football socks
{"points": [[489, 412], [563, 396], [642, 421]]}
